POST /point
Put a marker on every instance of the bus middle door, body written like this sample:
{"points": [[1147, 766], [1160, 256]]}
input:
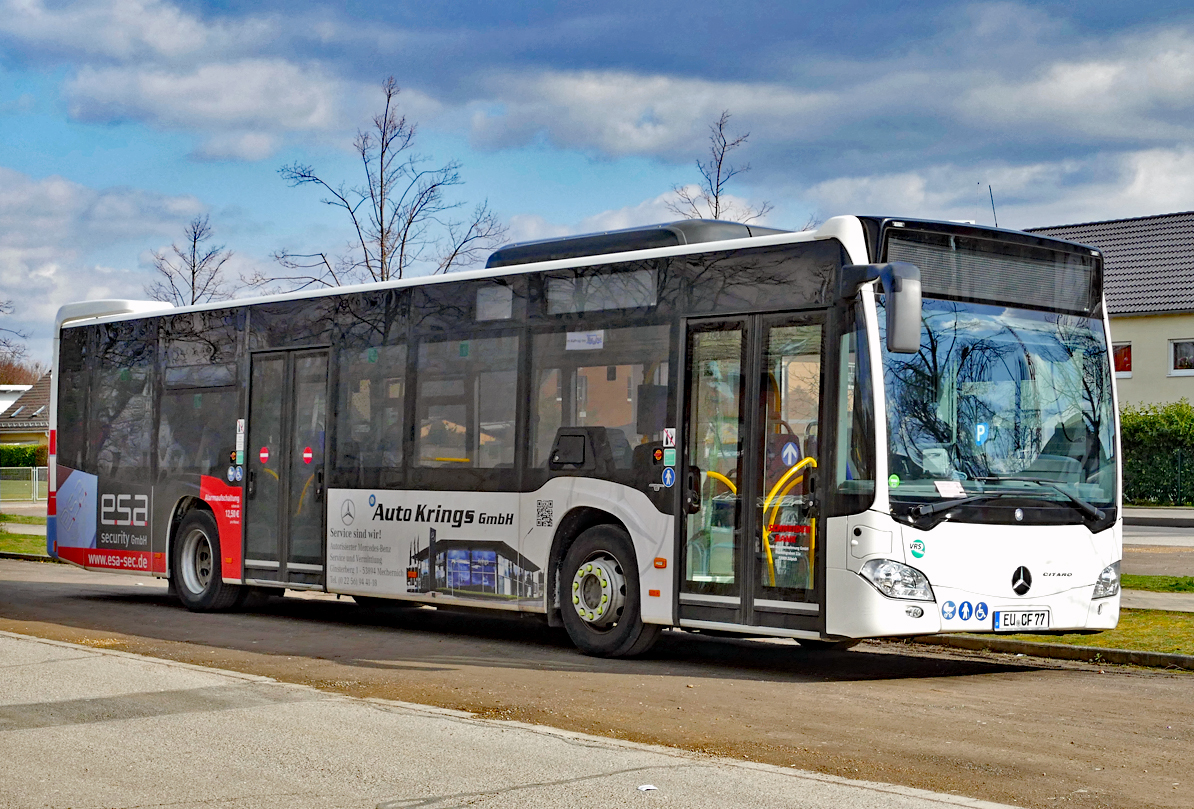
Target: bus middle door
{"points": [[284, 531]]}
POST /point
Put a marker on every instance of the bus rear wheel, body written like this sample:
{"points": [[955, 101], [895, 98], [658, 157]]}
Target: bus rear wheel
{"points": [[601, 597], [195, 566]]}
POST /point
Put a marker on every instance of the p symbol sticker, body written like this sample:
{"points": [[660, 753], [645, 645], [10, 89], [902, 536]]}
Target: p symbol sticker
{"points": [[980, 433]]}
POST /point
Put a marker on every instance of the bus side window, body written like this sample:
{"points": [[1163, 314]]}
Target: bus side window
{"points": [[611, 378], [855, 453], [465, 403], [370, 416]]}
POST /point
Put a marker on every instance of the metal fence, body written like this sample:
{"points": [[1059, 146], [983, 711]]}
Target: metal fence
{"points": [[24, 482]]}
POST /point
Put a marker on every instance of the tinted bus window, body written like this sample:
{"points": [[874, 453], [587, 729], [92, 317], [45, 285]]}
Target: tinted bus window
{"points": [[122, 399], [611, 378], [192, 426], [370, 418], [201, 348], [72, 399], [466, 403]]}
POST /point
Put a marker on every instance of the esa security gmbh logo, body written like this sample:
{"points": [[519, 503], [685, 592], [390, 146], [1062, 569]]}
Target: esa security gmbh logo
{"points": [[348, 512]]}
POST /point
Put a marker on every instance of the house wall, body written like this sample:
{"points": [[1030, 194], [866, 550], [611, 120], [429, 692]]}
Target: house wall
{"points": [[1151, 381], [24, 437]]}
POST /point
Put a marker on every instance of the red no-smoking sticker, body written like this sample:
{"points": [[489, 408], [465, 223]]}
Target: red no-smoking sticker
{"points": [[264, 455], [307, 455]]}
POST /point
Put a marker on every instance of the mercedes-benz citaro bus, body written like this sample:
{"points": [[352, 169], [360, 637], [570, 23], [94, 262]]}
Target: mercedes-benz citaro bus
{"points": [[880, 428]]}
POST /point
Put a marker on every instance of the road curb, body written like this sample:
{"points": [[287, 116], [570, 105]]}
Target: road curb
{"points": [[1062, 651], [1159, 522], [29, 557]]}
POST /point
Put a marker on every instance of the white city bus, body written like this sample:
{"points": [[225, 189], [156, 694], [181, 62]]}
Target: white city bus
{"points": [[701, 425]]}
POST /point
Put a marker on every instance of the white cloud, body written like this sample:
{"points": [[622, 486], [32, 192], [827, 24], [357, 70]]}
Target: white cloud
{"points": [[250, 96], [51, 228], [1139, 90], [1112, 186], [125, 30], [621, 113]]}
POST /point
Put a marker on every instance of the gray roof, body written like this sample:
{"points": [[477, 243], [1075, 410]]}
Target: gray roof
{"points": [[1149, 261], [18, 416]]}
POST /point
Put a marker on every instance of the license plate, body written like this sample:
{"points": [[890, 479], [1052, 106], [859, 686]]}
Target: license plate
{"points": [[1020, 620]]}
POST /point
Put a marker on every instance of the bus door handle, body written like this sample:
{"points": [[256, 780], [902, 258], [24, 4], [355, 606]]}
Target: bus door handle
{"points": [[252, 487], [692, 490], [319, 486]]}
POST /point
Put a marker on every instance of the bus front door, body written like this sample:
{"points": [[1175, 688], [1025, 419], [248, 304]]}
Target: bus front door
{"points": [[749, 535], [284, 530]]}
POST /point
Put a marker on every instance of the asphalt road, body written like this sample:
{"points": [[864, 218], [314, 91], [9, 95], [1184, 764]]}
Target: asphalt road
{"points": [[1023, 731]]}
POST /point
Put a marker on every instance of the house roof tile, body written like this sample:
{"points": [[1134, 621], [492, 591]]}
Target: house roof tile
{"points": [[19, 416], [1148, 261]]}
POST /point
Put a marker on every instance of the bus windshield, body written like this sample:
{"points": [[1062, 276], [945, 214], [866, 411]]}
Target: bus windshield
{"points": [[1000, 400]]}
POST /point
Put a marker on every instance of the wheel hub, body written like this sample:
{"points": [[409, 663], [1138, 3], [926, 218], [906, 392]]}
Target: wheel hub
{"points": [[198, 563], [599, 591]]}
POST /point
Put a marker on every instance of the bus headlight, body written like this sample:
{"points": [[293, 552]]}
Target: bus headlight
{"points": [[896, 580], [1107, 583]]}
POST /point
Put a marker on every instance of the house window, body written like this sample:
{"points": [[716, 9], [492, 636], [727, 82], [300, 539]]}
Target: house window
{"points": [[1123, 360], [1181, 357]]}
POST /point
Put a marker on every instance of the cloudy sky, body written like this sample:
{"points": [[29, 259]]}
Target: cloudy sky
{"points": [[120, 120]]}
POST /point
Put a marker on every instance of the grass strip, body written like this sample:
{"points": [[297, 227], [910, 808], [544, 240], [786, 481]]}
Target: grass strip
{"points": [[22, 519], [1138, 630], [1158, 584], [22, 543]]}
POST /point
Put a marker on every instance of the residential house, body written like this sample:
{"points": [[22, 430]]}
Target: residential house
{"points": [[27, 420], [1149, 289]]}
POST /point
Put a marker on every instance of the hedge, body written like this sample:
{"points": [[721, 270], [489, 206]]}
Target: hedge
{"points": [[23, 455], [1158, 448]]}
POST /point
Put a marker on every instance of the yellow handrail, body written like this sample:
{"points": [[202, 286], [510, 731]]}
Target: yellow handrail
{"points": [[775, 490], [723, 479]]}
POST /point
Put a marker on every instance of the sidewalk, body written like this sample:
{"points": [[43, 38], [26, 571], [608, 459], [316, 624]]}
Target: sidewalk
{"points": [[25, 508], [1159, 517]]}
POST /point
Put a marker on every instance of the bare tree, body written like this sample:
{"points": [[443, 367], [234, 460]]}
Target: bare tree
{"points": [[401, 216], [195, 271], [21, 372], [710, 200], [12, 341]]}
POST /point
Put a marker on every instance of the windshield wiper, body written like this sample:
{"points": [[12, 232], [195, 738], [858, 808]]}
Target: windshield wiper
{"points": [[928, 509], [1089, 509]]}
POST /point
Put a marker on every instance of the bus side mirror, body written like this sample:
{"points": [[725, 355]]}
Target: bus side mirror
{"points": [[901, 285]]}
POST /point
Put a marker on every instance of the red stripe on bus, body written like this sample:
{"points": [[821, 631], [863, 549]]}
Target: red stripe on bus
{"points": [[225, 504]]}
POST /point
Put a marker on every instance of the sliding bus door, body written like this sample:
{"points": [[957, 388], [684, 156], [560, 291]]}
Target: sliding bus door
{"points": [[284, 505], [751, 445]]}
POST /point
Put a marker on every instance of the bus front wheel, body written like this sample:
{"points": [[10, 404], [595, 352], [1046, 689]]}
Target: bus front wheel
{"points": [[195, 566], [600, 595]]}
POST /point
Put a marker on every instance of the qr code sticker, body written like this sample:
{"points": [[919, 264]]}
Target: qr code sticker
{"points": [[543, 515]]}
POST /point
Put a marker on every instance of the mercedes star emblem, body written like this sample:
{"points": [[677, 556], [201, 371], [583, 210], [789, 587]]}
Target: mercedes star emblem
{"points": [[348, 512], [1021, 580]]}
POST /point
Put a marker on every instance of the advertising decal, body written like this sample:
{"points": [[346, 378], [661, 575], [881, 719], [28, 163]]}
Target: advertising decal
{"points": [[463, 545], [225, 504]]}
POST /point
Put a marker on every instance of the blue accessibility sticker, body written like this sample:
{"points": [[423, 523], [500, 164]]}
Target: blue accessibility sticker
{"points": [[965, 610], [948, 609], [980, 611], [669, 476]]}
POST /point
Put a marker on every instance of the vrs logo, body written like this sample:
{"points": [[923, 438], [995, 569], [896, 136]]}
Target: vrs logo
{"points": [[124, 510]]}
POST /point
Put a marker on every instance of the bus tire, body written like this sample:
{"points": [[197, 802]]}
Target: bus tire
{"points": [[195, 566], [600, 564]]}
